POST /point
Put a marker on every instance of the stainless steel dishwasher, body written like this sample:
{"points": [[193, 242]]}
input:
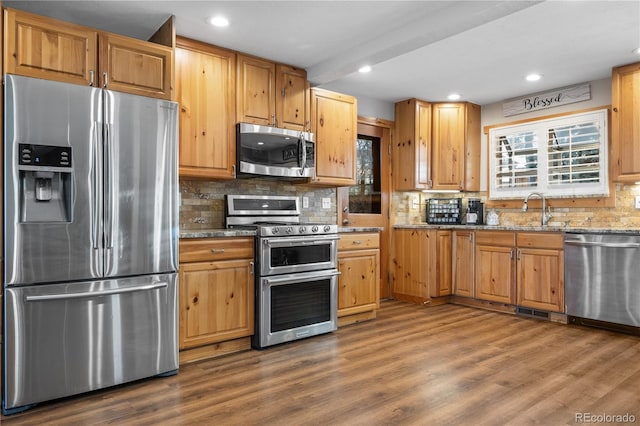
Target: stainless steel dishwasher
{"points": [[602, 277]]}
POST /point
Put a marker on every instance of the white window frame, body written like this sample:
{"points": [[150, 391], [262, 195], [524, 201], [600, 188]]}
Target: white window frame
{"points": [[541, 128]]}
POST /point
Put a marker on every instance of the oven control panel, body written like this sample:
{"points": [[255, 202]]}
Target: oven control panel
{"points": [[286, 230]]}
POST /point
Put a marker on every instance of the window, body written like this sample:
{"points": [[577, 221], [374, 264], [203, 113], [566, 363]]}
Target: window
{"points": [[365, 196], [559, 157]]}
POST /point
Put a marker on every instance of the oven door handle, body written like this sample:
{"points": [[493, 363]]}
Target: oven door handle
{"points": [[301, 277], [302, 241]]}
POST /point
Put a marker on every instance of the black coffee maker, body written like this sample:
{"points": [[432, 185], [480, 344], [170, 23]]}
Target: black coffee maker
{"points": [[475, 212]]}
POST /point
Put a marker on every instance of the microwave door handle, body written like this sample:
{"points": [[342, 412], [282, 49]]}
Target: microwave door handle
{"points": [[303, 149]]}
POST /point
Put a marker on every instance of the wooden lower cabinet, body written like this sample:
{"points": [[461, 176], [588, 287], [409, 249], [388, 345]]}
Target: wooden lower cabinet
{"points": [[421, 269], [359, 280], [441, 284], [540, 271], [216, 295], [494, 263], [463, 263], [524, 269], [410, 265]]}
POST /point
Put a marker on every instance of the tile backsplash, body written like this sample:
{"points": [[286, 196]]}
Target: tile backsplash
{"points": [[202, 201], [410, 208]]}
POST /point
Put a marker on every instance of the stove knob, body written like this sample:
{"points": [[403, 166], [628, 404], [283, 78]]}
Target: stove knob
{"points": [[327, 228], [289, 229], [275, 230], [314, 228], [302, 230]]}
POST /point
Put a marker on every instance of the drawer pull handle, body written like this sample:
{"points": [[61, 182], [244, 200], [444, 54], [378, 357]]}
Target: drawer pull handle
{"points": [[217, 250], [356, 242]]}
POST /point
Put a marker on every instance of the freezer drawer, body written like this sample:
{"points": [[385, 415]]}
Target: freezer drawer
{"points": [[65, 339]]}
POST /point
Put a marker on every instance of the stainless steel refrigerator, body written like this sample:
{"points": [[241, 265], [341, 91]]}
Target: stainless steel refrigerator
{"points": [[90, 240]]}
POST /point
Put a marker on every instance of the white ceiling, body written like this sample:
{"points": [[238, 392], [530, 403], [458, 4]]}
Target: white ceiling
{"points": [[423, 49]]}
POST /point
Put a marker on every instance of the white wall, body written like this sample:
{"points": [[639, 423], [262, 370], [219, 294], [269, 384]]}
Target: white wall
{"points": [[368, 107], [492, 115]]}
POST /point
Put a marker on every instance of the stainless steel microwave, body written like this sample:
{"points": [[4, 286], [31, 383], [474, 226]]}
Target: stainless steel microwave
{"points": [[272, 151]]}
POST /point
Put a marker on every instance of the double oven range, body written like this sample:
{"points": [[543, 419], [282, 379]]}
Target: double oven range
{"points": [[296, 268]]}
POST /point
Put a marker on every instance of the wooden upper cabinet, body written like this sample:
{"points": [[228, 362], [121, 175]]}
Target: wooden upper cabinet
{"points": [[437, 146], [272, 94], [135, 66], [47, 48], [42, 47], [292, 98], [256, 91], [205, 90], [412, 149], [456, 146], [625, 119], [334, 118]]}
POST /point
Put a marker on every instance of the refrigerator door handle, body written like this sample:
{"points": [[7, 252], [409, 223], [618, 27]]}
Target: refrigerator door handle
{"points": [[97, 195], [86, 294], [108, 188]]}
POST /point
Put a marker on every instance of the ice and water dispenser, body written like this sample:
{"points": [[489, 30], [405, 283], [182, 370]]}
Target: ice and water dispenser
{"points": [[45, 193]]}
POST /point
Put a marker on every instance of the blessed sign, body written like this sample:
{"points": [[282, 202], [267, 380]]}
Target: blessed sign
{"points": [[564, 96]]}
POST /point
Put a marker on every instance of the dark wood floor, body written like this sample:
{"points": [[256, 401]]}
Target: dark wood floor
{"points": [[413, 365]]}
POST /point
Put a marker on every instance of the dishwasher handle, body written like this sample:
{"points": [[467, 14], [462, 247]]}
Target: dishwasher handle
{"points": [[601, 244]]}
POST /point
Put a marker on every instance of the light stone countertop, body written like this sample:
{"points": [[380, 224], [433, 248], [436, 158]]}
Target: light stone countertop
{"points": [[346, 229], [532, 228], [216, 233]]}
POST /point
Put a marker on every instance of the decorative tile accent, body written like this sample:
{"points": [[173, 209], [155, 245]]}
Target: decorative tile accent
{"points": [[623, 216], [202, 201]]}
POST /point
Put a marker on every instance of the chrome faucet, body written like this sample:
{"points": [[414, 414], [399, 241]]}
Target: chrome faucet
{"points": [[546, 215]]}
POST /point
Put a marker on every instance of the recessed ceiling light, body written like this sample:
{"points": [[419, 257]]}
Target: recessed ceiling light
{"points": [[364, 68], [533, 77], [453, 97], [219, 21]]}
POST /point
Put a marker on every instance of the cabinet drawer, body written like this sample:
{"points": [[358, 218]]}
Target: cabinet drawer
{"points": [[496, 238], [358, 241], [204, 249], [540, 240]]}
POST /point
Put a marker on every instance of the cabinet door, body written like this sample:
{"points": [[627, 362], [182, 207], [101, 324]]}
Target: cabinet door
{"points": [[411, 265], [540, 278], [448, 146], [358, 283], [494, 273], [216, 301], [412, 150], [292, 98], [256, 91], [625, 117], [46, 48], [136, 66], [205, 90], [463, 263], [334, 122], [443, 280]]}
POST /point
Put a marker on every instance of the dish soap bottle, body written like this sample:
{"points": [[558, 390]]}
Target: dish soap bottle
{"points": [[492, 218]]}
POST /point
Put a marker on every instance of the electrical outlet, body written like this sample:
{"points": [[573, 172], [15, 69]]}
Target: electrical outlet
{"points": [[326, 203], [305, 202], [637, 201]]}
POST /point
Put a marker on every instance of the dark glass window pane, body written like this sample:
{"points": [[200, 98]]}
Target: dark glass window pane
{"points": [[364, 196]]}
